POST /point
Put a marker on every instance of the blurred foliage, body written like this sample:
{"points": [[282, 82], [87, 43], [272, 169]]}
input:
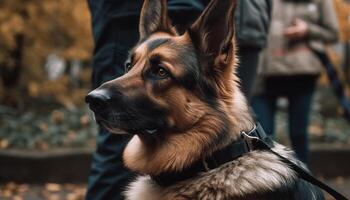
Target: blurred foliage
{"points": [[51, 25], [343, 11], [30, 30], [60, 128]]}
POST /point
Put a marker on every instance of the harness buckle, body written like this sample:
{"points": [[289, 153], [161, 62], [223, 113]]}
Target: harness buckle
{"points": [[248, 139]]}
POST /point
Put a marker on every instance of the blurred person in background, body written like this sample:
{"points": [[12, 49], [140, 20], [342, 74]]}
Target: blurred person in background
{"points": [[115, 31], [290, 67]]}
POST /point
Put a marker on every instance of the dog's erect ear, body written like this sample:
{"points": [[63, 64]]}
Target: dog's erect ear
{"points": [[154, 17], [213, 31]]}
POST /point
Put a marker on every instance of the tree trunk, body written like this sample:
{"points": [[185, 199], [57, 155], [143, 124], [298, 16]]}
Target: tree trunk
{"points": [[10, 74]]}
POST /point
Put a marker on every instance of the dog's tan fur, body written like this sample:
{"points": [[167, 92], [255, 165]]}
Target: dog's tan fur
{"points": [[195, 120], [182, 149]]}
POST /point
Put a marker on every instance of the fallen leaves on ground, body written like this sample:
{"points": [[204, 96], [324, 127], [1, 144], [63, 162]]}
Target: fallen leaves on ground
{"points": [[49, 191]]}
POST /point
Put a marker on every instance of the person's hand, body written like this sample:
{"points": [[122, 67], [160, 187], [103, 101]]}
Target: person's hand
{"points": [[298, 30]]}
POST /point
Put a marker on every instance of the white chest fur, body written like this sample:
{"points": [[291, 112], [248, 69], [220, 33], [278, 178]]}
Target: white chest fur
{"points": [[143, 188]]}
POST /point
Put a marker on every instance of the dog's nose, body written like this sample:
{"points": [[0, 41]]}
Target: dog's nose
{"points": [[98, 100]]}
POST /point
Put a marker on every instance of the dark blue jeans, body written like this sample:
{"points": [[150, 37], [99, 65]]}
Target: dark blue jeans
{"points": [[299, 92], [108, 176]]}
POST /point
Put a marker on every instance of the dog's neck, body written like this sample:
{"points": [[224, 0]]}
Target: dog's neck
{"points": [[242, 119], [180, 150]]}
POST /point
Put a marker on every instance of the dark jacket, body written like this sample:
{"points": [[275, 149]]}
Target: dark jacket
{"points": [[104, 12], [252, 23], [252, 16]]}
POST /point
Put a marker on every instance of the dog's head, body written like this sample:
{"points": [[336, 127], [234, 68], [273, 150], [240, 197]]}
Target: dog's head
{"points": [[174, 84]]}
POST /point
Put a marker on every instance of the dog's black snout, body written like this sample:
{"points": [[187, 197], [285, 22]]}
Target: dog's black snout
{"points": [[98, 100]]}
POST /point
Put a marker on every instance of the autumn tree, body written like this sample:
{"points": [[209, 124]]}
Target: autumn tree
{"points": [[343, 11], [30, 30]]}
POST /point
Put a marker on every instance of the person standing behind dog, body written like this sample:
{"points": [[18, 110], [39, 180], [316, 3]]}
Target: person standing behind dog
{"points": [[115, 31], [290, 67]]}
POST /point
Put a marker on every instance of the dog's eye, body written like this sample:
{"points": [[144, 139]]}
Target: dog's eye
{"points": [[161, 72], [127, 67]]}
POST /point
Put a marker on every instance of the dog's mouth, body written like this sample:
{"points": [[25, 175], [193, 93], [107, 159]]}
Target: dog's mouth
{"points": [[126, 123], [113, 121]]}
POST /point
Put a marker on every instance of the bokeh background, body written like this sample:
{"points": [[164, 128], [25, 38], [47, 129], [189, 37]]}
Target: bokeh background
{"points": [[46, 131], [45, 53]]}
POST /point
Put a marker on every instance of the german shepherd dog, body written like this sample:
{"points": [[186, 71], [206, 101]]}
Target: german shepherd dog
{"points": [[181, 101]]}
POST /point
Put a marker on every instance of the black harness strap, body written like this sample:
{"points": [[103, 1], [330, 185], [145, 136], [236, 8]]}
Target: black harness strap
{"points": [[229, 153], [258, 144], [254, 140]]}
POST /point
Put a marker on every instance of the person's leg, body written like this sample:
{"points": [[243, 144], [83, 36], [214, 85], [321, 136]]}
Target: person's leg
{"points": [[299, 114], [247, 69], [264, 107], [108, 176]]}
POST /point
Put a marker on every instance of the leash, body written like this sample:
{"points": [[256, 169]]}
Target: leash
{"points": [[257, 142], [336, 83]]}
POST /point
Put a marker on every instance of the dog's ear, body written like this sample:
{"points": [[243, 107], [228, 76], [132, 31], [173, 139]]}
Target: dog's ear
{"points": [[153, 18], [213, 31]]}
